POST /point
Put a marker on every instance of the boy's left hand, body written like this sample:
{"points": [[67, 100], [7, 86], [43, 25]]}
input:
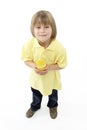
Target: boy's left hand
{"points": [[41, 72]]}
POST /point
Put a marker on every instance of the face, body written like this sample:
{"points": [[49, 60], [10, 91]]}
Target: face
{"points": [[43, 32]]}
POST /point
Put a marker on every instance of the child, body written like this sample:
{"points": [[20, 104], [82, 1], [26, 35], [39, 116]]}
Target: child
{"points": [[44, 50]]}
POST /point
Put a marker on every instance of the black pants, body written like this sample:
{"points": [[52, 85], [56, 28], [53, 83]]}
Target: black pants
{"points": [[37, 98]]}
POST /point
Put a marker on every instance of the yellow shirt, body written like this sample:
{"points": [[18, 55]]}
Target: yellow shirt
{"points": [[54, 53]]}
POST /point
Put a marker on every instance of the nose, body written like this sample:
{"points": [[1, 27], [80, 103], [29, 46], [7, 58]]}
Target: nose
{"points": [[42, 29]]}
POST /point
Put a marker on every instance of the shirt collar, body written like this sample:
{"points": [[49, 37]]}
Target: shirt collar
{"points": [[50, 47]]}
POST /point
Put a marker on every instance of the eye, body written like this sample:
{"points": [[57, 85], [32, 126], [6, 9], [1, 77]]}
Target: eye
{"points": [[38, 27], [46, 26]]}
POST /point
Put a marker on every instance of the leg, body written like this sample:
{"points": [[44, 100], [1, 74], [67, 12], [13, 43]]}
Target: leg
{"points": [[37, 98], [36, 103], [53, 98], [52, 104]]}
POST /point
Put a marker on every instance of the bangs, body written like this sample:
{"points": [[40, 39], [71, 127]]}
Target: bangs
{"points": [[42, 20]]}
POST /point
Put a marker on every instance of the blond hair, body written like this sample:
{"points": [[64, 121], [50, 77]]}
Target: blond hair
{"points": [[44, 17]]}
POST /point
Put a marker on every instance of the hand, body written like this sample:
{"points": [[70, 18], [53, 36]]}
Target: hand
{"points": [[41, 72]]}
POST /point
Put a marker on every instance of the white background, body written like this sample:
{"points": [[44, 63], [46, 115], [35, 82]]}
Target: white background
{"points": [[15, 93]]}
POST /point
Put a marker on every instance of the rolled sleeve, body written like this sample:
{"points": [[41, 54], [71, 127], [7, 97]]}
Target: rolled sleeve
{"points": [[61, 59], [27, 53]]}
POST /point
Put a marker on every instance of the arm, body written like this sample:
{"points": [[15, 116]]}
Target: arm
{"points": [[48, 68], [30, 64], [54, 67]]}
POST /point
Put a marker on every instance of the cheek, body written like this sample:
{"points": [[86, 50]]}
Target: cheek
{"points": [[35, 33], [51, 33]]}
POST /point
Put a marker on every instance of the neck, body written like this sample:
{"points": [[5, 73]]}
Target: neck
{"points": [[45, 44]]}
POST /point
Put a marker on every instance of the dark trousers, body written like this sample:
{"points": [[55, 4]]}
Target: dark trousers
{"points": [[37, 98]]}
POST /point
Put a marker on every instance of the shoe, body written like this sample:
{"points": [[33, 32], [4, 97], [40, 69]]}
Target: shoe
{"points": [[53, 112], [30, 113]]}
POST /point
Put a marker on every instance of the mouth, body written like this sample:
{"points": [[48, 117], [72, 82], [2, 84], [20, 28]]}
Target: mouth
{"points": [[42, 35]]}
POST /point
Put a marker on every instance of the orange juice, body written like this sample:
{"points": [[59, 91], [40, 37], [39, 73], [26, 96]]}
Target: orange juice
{"points": [[40, 64]]}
